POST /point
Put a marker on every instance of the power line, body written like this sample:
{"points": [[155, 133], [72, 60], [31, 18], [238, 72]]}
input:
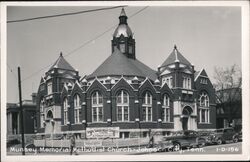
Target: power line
{"points": [[64, 14], [84, 44]]}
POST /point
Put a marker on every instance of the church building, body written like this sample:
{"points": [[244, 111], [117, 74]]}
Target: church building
{"points": [[125, 93]]}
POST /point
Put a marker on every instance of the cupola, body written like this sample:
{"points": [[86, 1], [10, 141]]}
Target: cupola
{"points": [[123, 37]]}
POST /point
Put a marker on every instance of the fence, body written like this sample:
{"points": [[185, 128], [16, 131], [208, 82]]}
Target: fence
{"points": [[28, 138]]}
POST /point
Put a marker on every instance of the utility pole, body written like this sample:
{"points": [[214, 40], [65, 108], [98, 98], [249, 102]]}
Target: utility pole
{"points": [[21, 109]]}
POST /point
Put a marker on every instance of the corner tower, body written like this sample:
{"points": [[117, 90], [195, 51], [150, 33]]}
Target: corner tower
{"points": [[49, 102], [123, 37]]}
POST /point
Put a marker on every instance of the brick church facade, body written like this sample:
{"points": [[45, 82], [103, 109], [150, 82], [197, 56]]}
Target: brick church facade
{"points": [[125, 93]]}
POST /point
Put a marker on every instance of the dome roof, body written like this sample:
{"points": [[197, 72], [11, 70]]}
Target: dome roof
{"points": [[117, 64], [124, 30]]}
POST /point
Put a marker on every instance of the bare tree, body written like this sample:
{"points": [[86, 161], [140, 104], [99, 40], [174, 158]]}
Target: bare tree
{"points": [[228, 82], [229, 77]]}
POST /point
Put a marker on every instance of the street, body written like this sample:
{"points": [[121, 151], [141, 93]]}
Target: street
{"points": [[230, 148]]}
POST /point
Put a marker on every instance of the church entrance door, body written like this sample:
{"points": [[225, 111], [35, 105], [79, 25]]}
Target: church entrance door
{"points": [[187, 111]]}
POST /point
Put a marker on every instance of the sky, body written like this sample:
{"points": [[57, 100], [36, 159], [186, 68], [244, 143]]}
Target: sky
{"points": [[208, 37]]}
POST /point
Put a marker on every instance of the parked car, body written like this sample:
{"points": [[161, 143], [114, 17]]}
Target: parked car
{"points": [[181, 139], [220, 136], [240, 135], [164, 144], [206, 135]]}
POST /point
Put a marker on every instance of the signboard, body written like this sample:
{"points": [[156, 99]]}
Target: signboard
{"points": [[102, 132]]}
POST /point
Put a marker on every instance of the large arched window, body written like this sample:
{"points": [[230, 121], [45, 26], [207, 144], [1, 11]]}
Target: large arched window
{"points": [[77, 108], [204, 100], [42, 116], [166, 108], [147, 107], [122, 101], [204, 111], [65, 111], [97, 107]]}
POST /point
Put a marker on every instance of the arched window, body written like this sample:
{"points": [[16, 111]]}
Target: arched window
{"points": [[77, 108], [42, 116], [204, 99], [204, 111], [147, 107], [122, 101], [65, 111], [49, 115], [186, 83], [166, 108], [97, 107]]}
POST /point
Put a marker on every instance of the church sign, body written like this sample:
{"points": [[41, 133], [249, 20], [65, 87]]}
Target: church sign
{"points": [[102, 132]]}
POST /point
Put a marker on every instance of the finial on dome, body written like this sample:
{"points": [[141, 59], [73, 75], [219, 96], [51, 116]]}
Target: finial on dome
{"points": [[123, 17], [123, 12], [61, 54], [175, 47]]}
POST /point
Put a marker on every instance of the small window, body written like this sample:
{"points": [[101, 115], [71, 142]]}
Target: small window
{"points": [[203, 80], [130, 49], [122, 48], [49, 87]]}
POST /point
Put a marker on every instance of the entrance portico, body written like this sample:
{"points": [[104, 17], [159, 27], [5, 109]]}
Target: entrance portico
{"points": [[185, 116]]}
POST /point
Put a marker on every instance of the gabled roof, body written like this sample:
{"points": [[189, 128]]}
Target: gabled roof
{"points": [[196, 74], [176, 56], [119, 64], [202, 72], [61, 63]]}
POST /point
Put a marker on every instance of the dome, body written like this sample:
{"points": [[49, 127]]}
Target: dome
{"points": [[124, 30]]}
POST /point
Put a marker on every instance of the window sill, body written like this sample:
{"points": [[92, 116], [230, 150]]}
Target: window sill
{"points": [[123, 122], [77, 124], [167, 122], [96, 122], [148, 122], [204, 123]]}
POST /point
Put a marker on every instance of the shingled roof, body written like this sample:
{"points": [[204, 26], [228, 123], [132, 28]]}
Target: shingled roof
{"points": [[176, 56], [61, 63], [119, 64]]}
